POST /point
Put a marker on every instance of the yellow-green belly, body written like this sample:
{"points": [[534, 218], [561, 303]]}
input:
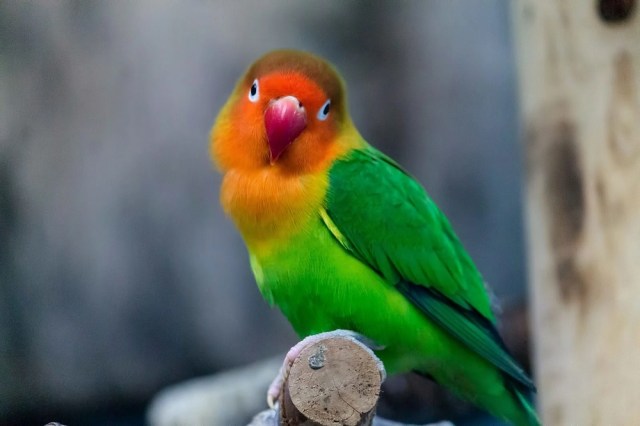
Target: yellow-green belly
{"points": [[319, 286]]}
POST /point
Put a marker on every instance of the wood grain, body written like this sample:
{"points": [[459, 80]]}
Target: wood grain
{"points": [[579, 85], [333, 382]]}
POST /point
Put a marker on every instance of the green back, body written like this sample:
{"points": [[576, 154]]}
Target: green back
{"points": [[385, 218], [392, 224]]}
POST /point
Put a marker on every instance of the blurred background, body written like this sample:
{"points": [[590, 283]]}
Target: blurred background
{"points": [[120, 275]]}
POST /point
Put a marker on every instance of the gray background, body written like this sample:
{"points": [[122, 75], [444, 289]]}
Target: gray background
{"points": [[119, 273]]}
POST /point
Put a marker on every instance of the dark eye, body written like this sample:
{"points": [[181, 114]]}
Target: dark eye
{"points": [[253, 92], [323, 113]]}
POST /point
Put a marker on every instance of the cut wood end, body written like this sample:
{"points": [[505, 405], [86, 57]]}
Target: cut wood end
{"points": [[334, 381]]}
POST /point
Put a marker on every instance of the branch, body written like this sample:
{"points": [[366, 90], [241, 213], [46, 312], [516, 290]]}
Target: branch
{"points": [[334, 381]]}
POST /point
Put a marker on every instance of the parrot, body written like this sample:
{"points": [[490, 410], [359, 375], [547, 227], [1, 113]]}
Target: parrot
{"points": [[340, 236]]}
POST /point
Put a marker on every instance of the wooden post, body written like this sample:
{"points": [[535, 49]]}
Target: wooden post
{"points": [[579, 66], [334, 381]]}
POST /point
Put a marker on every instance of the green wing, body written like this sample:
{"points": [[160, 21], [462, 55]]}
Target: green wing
{"points": [[385, 218]]}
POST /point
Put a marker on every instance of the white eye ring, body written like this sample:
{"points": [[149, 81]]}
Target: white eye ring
{"points": [[254, 93], [323, 112]]}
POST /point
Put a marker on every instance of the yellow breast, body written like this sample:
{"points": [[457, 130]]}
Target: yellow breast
{"points": [[268, 205]]}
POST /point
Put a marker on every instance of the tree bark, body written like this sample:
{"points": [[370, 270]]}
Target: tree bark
{"points": [[334, 381], [579, 66]]}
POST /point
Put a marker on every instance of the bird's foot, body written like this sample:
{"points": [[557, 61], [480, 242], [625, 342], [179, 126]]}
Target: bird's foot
{"points": [[275, 388]]}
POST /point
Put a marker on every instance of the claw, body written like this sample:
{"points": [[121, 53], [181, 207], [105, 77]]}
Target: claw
{"points": [[273, 393], [273, 404]]}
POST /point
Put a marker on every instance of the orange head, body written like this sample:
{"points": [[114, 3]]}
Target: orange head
{"points": [[286, 112]]}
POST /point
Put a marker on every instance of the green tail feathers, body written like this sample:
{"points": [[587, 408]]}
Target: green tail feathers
{"points": [[528, 415]]}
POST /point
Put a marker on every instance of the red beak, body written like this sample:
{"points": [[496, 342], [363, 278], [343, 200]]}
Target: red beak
{"points": [[284, 120]]}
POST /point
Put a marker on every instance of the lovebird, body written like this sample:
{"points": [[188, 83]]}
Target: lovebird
{"points": [[340, 236]]}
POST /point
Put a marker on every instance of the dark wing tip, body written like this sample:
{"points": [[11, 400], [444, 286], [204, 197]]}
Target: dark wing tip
{"points": [[469, 327]]}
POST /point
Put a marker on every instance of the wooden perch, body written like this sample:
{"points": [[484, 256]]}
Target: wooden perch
{"points": [[334, 381]]}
